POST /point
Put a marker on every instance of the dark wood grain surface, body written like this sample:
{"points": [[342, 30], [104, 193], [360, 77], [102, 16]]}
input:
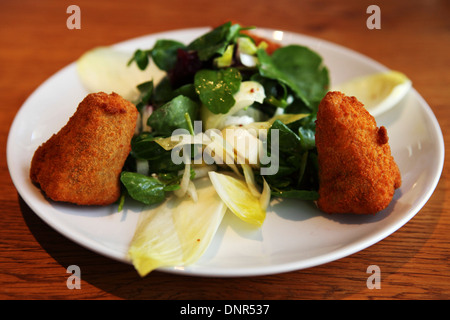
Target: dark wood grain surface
{"points": [[35, 43]]}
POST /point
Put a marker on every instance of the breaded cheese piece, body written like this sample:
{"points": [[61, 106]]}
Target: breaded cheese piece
{"points": [[81, 164], [357, 173]]}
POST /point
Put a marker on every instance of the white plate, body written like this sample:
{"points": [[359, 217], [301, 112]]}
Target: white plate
{"points": [[295, 234]]}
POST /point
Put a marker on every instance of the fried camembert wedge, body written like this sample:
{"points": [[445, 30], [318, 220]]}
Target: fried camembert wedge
{"points": [[357, 173], [81, 164]]}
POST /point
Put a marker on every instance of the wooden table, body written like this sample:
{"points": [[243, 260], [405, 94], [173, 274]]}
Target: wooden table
{"points": [[35, 43]]}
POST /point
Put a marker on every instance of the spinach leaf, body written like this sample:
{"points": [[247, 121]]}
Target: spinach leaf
{"points": [[289, 141], [297, 175], [217, 87], [299, 68], [145, 94], [159, 160], [187, 90], [141, 58], [163, 92], [164, 53], [164, 164], [148, 190], [307, 131], [307, 138], [144, 147], [171, 115], [215, 41]]}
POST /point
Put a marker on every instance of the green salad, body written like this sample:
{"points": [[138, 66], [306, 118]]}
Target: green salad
{"points": [[205, 82], [225, 126]]}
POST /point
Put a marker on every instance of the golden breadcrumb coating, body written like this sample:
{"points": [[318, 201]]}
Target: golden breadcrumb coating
{"points": [[81, 164], [357, 173]]}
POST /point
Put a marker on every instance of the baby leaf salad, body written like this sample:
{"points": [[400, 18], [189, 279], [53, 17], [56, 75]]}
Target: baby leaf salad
{"points": [[229, 126]]}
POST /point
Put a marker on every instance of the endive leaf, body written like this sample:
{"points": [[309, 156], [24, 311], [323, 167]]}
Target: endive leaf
{"points": [[105, 69], [239, 199], [379, 92], [178, 232]]}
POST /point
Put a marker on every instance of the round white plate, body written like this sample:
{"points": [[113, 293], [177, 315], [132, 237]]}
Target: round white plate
{"points": [[295, 234]]}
